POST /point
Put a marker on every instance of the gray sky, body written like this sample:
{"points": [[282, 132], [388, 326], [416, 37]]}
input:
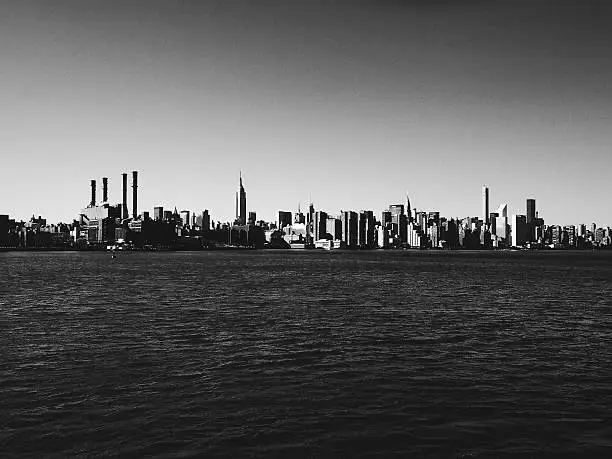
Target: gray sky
{"points": [[353, 102]]}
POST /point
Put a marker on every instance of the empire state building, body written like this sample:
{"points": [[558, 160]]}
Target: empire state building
{"points": [[241, 208]]}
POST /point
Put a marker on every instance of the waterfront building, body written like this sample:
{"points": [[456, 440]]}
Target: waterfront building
{"points": [[4, 230], [334, 228], [383, 237], [350, 229], [520, 231], [367, 229]]}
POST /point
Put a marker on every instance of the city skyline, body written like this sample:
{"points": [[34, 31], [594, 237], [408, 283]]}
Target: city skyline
{"points": [[352, 105], [241, 210]]}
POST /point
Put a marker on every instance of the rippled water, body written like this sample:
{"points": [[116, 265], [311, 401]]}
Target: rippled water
{"points": [[304, 354]]}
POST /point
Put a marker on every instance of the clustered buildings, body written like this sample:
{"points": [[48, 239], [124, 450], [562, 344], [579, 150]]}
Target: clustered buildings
{"points": [[399, 226]]}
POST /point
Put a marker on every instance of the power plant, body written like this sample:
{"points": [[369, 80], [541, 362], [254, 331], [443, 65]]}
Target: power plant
{"points": [[106, 222]]}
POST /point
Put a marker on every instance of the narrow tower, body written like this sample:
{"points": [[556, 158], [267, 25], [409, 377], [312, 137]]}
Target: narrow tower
{"points": [[134, 194], [124, 207], [104, 189], [242, 216], [485, 205], [92, 203]]}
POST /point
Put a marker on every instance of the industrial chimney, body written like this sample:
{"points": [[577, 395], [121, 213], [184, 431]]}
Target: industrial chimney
{"points": [[104, 189], [134, 194], [93, 194], [124, 209]]}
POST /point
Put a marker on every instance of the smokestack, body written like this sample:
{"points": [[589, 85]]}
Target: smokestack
{"points": [[124, 209], [104, 189], [134, 194], [93, 194]]}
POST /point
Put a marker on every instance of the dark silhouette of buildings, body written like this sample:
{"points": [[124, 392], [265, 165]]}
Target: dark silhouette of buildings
{"points": [[241, 204]]}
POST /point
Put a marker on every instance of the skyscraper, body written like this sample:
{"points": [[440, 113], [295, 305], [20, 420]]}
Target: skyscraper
{"points": [[408, 209], [241, 213], [350, 228], [284, 219], [485, 205], [531, 211]]}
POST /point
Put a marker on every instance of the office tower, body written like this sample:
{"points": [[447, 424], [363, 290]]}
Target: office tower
{"points": [[167, 215], [134, 194], [385, 218], [185, 217], [485, 205], [519, 230], [124, 207], [205, 225], [310, 223], [158, 213], [398, 222], [334, 228], [319, 225], [531, 211], [350, 228], [252, 218], [284, 219], [241, 206], [367, 229]]}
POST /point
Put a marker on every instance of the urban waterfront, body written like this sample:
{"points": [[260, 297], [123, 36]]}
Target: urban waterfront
{"points": [[306, 354]]}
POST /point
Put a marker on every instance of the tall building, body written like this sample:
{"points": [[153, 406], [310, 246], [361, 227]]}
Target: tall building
{"points": [[408, 209], [485, 205], [158, 213], [319, 225], [334, 228], [205, 225], [531, 211], [399, 222], [252, 218], [519, 230], [284, 219], [241, 206], [367, 229], [350, 229], [4, 229]]}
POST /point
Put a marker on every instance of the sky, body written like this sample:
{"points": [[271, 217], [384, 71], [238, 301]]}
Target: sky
{"points": [[350, 103]]}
